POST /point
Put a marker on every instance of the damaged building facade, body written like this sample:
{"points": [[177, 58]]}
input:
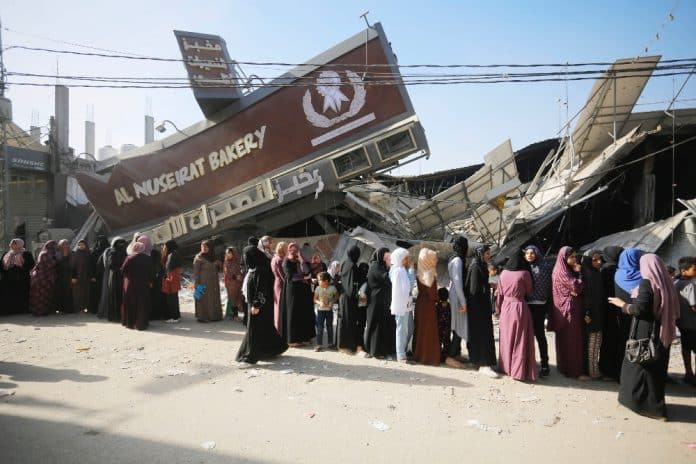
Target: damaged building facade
{"points": [[273, 160], [312, 160]]}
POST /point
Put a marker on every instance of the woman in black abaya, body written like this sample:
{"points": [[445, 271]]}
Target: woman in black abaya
{"points": [[480, 344], [380, 333], [349, 335], [611, 353], [297, 307], [261, 340]]}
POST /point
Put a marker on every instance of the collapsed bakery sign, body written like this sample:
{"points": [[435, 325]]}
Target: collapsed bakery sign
{"points": [[311, 111]]}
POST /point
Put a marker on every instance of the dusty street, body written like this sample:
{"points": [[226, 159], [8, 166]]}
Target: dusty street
{"points": [[80, 390]]}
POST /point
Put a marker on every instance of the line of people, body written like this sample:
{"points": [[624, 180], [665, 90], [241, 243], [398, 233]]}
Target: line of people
{"points": [[390, 308]]}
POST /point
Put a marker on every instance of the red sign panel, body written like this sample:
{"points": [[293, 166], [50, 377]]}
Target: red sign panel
{"points": [[289, 124]]}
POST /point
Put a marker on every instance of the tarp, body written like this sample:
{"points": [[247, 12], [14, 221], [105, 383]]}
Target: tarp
{"points": [[648, 238]]}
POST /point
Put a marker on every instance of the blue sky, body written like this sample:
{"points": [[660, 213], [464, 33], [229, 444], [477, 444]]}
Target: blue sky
{"points": [[462, 122]]}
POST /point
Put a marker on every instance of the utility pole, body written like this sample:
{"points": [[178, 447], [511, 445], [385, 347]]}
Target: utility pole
{"points": [[5, 115]]}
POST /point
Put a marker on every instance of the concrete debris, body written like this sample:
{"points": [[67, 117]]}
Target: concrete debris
{"points": [[379, 425], [208, 445], [486, 428], [551, 421]]}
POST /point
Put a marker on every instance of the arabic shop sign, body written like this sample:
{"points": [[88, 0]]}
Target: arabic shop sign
{"points": [[210, 215], [30, 160]]}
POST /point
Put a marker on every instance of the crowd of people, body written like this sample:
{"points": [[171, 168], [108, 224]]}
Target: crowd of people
{"points": [[391, 308]]}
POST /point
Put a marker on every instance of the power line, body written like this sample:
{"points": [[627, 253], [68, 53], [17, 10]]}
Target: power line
{"points": [[372, 76], [362, 65], [368, 83], [74, 44]]}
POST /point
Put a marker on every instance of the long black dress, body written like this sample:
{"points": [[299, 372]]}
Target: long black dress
{"points": [[15, 286], [112, 287], [95, 287], [350, 325], [64, 294], [481, 341], [380, 333], [159, 303], [611, 353], [297, 306], [261, 340], [642, 388]]}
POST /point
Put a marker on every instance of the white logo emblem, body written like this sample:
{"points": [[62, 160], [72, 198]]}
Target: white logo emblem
{"points": [[328, 86]]}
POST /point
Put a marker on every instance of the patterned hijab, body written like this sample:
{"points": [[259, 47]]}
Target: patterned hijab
{"points": [[14, 258]]}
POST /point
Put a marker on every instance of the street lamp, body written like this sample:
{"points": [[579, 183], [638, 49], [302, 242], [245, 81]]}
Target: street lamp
{"points": [[161, 128]]}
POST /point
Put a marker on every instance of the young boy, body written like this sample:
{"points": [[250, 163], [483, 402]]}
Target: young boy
{"points": [[686, 286], [325, 297]]}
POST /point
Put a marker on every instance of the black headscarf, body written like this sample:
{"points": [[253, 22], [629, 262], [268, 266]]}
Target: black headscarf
{"points": [[476, 281], [100, 245], [351, 277], [250, 256], [518, 262], [173, 261], [611, 255], [593, 295], [378, 256], [460, 245]]}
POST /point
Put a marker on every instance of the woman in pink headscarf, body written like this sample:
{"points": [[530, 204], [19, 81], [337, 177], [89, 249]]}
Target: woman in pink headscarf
{"points": [[653, 302], [567, 315]]}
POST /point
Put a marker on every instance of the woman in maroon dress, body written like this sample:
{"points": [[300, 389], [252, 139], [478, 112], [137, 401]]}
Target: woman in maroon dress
{"points": [[427, 339], [43, 281], [567, 315], [137, 281]]}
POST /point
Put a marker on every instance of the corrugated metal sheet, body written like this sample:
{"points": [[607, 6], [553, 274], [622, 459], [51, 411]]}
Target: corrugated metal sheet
{"points": [[690, 204], [611, 100], [648, 238], [465, 198], [568, 186]]}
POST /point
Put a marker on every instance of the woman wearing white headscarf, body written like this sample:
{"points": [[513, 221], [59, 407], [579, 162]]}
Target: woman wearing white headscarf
{"points": [[401, 304]]}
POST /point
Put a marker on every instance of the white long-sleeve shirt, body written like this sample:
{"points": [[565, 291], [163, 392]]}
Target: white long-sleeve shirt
{"points": [[401, 284]]}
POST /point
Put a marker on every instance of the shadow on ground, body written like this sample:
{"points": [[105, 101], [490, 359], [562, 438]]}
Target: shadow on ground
{"points": [[29, 440], [20, 372]]}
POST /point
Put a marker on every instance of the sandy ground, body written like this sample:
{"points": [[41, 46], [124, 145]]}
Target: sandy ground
{"points": [[88, 391]]}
